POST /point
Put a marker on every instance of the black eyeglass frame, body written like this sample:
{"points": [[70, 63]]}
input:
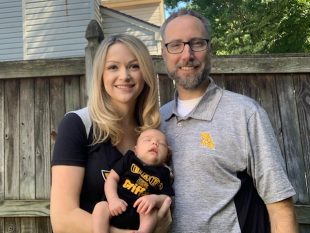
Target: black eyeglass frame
{"points": [[189, 43]]}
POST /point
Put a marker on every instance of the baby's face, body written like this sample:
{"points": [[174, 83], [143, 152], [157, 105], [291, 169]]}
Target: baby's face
{"points": [[152, 147]]}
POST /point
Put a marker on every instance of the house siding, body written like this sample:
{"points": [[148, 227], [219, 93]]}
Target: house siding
{"points": [[113, 23], [37, 29], [56, 28], [11, 30], [150, 13], [96, 11]]}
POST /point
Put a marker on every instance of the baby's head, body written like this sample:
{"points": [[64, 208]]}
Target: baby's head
{"points": [[152, 147]]}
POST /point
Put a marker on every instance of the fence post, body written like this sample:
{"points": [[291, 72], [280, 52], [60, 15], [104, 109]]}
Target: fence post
{"points": [[94, 36]]}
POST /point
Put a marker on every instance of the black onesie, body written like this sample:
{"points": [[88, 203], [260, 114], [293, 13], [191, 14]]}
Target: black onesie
{"points": [[137, 180]]}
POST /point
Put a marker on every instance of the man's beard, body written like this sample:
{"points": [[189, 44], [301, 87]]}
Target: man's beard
{"points": [[189, 82]]}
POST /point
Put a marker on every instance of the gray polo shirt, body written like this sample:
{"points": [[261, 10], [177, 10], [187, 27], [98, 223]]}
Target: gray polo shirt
{"points": [[227, 164]]}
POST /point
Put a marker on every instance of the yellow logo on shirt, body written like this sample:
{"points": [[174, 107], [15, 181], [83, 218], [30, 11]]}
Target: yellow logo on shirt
{"points": [[206, 140], [152, 180], [134, 188]]}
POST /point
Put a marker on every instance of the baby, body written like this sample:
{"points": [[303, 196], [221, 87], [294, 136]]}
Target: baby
{"points": [[136, 187]]}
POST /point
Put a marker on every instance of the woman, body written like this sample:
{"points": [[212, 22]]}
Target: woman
{"points": [[123, 102]]}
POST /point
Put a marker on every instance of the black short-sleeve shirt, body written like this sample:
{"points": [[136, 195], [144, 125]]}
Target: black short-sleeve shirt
{"points": [[73, 148], [138, 179]]}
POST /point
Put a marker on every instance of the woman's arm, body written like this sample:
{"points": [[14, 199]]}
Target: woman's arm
{"points": [[66, 215]]}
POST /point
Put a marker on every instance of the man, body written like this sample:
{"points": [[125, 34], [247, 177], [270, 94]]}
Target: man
{"points": [[229, 172]]}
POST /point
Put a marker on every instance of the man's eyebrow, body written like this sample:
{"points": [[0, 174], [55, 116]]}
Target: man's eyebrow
{"points": [[176, 40]]}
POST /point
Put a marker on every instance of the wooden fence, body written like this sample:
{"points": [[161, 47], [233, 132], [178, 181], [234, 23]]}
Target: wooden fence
{"points": [[34, 96]]}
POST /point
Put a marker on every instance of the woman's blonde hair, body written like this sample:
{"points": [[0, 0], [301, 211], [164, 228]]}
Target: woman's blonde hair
{"points": [[104, 117]]}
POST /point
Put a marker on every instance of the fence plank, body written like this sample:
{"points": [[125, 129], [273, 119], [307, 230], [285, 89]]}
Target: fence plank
{"points": [[291, 135], [260, 64], [26, 129], [57, 106], [12, 225], [2, 155], [72, 94], [11, 143], [166, 89], [44, 225], [219, 80], [26, 151], [83, 91], [269, 101], [42, 138], [252, 64], [24, 208], [234, 83], [28, 225], [42, 147], [303, 213], [302, 88], [42, 68], [304, 228]]}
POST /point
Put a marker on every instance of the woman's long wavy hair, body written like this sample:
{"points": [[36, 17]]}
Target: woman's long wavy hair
{"points": [[105, 119]]}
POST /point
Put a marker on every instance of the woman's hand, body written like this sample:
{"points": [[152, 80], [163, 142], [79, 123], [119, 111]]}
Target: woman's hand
{"points": [[146, 203]]}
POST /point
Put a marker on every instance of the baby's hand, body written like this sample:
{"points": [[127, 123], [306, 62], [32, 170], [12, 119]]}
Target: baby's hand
{"points": [[145, 204], [117, 206]]}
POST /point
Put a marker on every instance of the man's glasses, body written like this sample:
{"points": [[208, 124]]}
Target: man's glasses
{"points": [[196, 45]]}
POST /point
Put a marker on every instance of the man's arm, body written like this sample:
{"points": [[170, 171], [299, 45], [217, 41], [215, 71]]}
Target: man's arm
{"points": [[282, 217]]}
